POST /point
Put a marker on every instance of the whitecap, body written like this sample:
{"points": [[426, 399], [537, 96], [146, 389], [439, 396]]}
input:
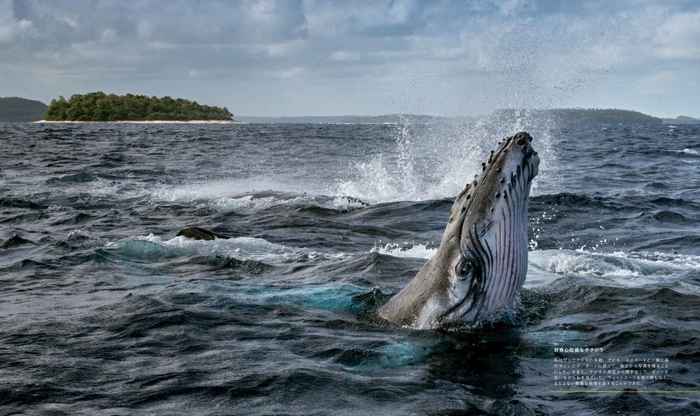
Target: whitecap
{"points": [[248, 204], [153, 247], [628, 269], [691, 152], [420, 251]]}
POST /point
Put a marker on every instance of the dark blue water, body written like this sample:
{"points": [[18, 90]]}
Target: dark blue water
{"points": [[104, 311]]}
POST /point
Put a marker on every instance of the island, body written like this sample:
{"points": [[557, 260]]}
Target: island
{"points": [[568, 116], [20, 110], [589, 116], [682, 120], [101, 107]]}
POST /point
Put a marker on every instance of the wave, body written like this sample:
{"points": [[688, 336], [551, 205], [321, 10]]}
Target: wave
{"points": [[74, 178], [419, 251], [691, 152], [20, 203], [248, 204], [153, 247], [214, 190], [620, 204], [575, 200], [254, 201], [674, 202], [671, 217], [635, 269]]}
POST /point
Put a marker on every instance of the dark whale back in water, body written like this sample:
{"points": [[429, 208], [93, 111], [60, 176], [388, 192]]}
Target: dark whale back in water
{"points": [[199, 234]]}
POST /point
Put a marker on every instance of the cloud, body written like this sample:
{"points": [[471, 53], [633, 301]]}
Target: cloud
{"points": [[196, 73], [291, 73], [12, 27], [678, 37], [345, 56], [444, 56]]}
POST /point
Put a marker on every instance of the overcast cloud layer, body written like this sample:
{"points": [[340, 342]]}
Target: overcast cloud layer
{"points": [[338, 57]]}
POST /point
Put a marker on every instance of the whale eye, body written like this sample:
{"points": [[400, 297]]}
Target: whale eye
{"points": [[464, 268]]}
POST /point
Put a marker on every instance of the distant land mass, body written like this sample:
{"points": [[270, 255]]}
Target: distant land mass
{"points": [[564, 115], [682, 120], [98, 106], [591, 116], [19, 110]]}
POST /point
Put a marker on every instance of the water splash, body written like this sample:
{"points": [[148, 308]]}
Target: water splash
{"points": [[434, 161]]}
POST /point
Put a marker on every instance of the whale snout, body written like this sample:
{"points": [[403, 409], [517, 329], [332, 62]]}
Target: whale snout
{"points": [[523, 141], [521, 144]]}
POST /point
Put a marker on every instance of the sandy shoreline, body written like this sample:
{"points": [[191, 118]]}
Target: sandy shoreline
{"points": [[141, 122]]}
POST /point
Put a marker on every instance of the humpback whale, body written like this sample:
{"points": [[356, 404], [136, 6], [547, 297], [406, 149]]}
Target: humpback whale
{"points": [[479, 268]]}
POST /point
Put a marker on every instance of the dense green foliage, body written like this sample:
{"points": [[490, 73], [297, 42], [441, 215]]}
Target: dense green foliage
{"points": [[17, 110], [98, 106]]}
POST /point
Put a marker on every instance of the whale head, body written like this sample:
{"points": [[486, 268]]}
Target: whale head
{"points": [[480, 267]]}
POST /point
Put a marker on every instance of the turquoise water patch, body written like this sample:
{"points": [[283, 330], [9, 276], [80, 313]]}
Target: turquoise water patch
{"points": [[557, 338], [144, 250], [331, 297], [395, 355], [324, 297]]}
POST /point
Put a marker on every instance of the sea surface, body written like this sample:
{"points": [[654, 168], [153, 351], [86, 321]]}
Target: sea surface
{"points": [[104, 311]]}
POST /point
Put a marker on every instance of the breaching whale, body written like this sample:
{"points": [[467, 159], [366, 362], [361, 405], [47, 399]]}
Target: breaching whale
{"points": [[479, 268]]}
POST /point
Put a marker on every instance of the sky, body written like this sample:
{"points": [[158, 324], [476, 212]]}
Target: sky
{"points": [[309, 57]]}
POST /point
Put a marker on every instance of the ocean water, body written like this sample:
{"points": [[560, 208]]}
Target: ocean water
{"points": [[103, 310]]}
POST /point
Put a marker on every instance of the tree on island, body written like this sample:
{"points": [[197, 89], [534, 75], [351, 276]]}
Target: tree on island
{"points": [[98, 106]]}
